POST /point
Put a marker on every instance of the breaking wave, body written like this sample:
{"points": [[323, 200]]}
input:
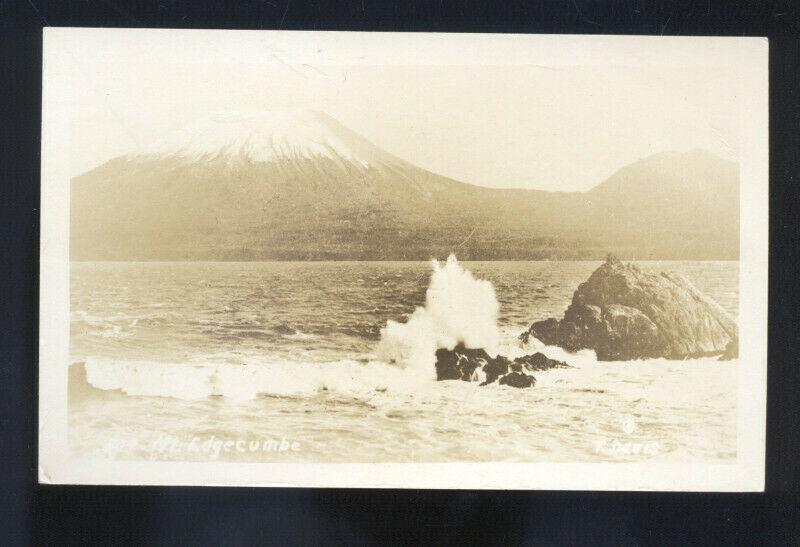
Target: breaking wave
{"points": [[458, 309], [243, 382]]}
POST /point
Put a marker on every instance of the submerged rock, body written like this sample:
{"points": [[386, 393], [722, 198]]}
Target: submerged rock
{"points": [[283, 328], [475, 365], [517, 379], [537, 362], [623, 312]]}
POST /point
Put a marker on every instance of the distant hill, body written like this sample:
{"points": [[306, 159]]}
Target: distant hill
{"points": [[300, 186]]}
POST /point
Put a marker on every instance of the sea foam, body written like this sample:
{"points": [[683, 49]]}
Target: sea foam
{"points": [[244, 382]]}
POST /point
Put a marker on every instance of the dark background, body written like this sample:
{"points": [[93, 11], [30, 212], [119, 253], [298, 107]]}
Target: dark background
{"points": [[33, 514]]}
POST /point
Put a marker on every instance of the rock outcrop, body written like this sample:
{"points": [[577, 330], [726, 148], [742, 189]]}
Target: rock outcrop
{"points": [[731, 351], [623, 312], [475, 365]]}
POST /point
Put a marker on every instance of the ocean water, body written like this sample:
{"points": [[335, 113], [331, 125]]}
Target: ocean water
{"points": [[285, 361]]}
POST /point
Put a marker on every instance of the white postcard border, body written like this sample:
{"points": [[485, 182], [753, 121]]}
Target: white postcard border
{"points": [[63, 46]]}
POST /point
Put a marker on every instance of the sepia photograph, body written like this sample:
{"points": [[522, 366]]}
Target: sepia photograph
{"points": [[386, 260]]}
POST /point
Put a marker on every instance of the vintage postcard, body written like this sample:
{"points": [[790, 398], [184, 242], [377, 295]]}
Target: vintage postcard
{"points": [[403, 260]]}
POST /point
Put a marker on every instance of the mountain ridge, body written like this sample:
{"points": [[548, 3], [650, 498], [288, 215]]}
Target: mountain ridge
{"points": [[318, 191]]}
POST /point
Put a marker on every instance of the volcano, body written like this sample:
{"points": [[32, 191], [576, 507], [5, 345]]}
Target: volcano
{"points": [[298, 185]]}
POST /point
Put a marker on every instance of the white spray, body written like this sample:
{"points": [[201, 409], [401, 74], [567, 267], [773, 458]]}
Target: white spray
{"points": [[458, 309]]}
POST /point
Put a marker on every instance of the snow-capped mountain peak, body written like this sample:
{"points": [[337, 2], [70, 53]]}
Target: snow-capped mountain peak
{"points": [[266, 136]]}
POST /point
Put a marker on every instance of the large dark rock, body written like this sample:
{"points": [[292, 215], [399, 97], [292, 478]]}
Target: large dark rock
{"points": [[460, 363], [472, 365], [496, 368], [623, 312]]}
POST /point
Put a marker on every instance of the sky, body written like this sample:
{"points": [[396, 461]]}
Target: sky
{"points": [[564, 128]]}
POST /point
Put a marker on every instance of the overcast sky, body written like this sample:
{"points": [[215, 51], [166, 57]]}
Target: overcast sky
{"points": [[555, 128]]}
